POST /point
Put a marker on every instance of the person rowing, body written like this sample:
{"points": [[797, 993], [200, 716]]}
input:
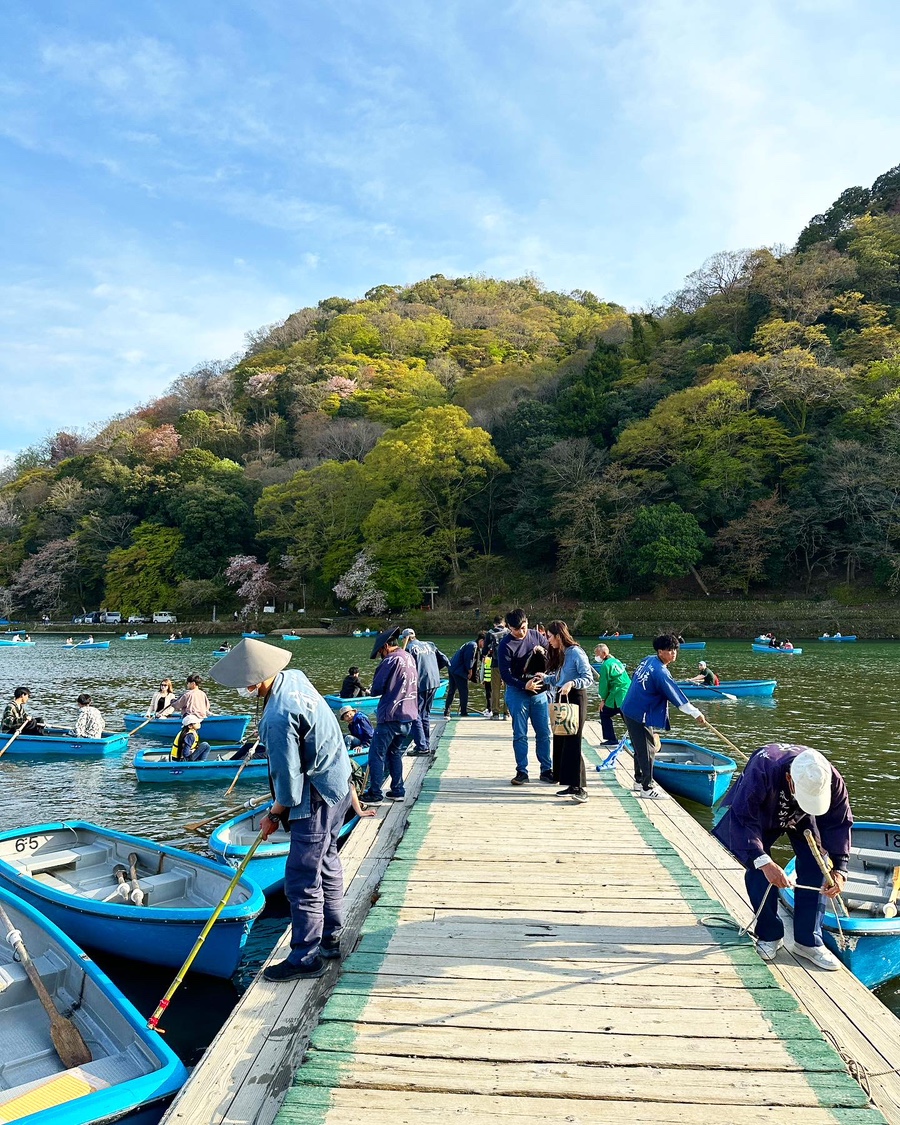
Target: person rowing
{"points": [[706, 676]]}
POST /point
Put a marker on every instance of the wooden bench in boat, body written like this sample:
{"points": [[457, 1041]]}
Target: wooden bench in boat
{"points": [[678, 757]]}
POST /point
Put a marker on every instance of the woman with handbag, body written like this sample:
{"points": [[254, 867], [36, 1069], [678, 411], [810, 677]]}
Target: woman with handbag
{"points": [[569, 674]]}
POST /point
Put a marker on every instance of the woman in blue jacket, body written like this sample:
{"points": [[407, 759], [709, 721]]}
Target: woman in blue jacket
{"points": [[569, 673]]}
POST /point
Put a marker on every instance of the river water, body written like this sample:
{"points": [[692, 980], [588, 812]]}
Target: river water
{"points": [[839, 698]]}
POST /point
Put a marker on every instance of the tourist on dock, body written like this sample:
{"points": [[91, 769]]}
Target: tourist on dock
{"points": [[487, 662], [310, 773], [161, 701], [785, 790], [360, 730], [193, 700], [492, 639], [187, 746], [705, 676], [15, 715], [352, 687], [521, 654], [463, 670], [612, 688], [569, 674], [397, 683], [89, 723], [429, 662], [646, 706]]}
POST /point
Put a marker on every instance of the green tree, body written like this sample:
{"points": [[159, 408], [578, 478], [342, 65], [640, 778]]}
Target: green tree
{"points": [[143, 577], [664, 542]]}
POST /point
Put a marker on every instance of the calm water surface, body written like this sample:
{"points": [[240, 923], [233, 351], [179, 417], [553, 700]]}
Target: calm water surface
{"points": [[839, 698]]}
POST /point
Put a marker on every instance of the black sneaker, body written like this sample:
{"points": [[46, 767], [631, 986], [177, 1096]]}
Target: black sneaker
{"points": [[548, 778], [370, 799], [396, 796], [520, 778], [567, 792], [284, 970], [580, 795], [418, 753], [330, 949]]}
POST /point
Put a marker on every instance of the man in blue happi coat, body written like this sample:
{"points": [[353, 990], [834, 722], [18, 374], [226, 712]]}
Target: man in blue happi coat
{"points": [[787, 789]]}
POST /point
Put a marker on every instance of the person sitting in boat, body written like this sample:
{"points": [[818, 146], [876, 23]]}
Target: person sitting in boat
{"points": [[15, 715], [90, 639], [836, 635], [825, 636], [787, 646], [187, 746], [251, 746], [361, 731], [161, 701], [69, 641], [788, 789], [353, 687], [27, 637], [193, 700], [17, 639], [171, 636], [89, 723], [225, 646], [773, 641], [706, 676]]}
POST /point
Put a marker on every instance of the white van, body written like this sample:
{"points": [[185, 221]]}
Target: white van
{"points": [[164, 618]]}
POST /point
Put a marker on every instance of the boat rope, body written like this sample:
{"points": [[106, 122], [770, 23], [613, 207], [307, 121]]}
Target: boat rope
{"points": [[724, 922]]}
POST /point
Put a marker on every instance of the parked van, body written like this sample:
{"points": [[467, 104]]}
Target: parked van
{"points": [[110, 617], [163, 617]]}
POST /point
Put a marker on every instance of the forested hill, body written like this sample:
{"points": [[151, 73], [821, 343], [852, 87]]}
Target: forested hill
{"points": [[492, 436]]}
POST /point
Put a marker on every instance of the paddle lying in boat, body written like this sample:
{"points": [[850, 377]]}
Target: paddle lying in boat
{"points": [[214, 728], [220, 766], [68, 872], [127, 1068], [693, 771]]}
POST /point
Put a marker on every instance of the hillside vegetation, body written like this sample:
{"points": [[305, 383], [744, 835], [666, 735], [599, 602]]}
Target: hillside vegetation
{"points": [[494, 437]]}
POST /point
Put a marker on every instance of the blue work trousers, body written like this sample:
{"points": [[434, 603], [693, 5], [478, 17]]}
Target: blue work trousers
{"points": [[421, 726], [386, 755], [314, 879], [533, 707], [809, 906]]}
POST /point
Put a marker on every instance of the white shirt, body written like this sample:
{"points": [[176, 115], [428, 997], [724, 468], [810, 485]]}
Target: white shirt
{"points": [[89, 723]]}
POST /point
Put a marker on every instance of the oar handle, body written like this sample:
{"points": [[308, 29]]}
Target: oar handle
{"points": [[824, 868], [740, 753], [244, 765], [141, 726], [189, 960], [16, 734], [222, 813]]}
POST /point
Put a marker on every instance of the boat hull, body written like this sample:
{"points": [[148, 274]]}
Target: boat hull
{"points": [[616, 637], [691, 644], [368, 704], [18, 644], [62, 744], [741, 688], [778, 651], [840, 640], [179, 641], [137, 637], [160, 936], [254, 636], [214, 728], [705, 781], [167, 772]]}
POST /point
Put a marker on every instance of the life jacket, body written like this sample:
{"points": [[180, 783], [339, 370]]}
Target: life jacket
{"points": [[488, 662], [177, 752]]}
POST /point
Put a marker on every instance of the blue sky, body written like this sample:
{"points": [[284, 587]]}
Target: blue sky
{"points": [[175, 174]]}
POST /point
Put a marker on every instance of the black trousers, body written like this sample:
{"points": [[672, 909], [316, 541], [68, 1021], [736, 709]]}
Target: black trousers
{"points": [[568, 761], [644, 745], [457, 684]]}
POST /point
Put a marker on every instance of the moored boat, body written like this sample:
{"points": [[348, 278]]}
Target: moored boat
{"points": [[689, 770], [61, 742], [616, 637], [838, 640], [157, 766], [131, 1068], [214, 728], [740, 688], [873, 953], [69, 873], [777, 651]]}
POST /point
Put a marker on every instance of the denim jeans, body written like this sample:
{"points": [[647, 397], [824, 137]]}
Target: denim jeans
{"points": [[533, 707], [386, 754], [809, 906], [314, 879], [421, 726]]}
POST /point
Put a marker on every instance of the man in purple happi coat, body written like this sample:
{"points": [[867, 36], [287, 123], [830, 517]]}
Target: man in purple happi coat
{"points": [[397, 683]]}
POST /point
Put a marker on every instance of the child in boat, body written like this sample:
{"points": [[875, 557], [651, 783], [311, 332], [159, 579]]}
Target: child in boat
{"points": [[361, 731], [187, 746]]}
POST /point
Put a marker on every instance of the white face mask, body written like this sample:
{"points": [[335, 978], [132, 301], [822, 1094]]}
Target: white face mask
{"points": [[247, 692]]}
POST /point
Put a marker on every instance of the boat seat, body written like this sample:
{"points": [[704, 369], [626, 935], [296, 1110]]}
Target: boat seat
{"points": [[876, 858], [56, 884], [676, 757], [161, 888], [82, 855]]}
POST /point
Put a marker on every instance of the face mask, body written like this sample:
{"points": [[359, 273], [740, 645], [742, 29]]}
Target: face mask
{"points": [[247, 692]]}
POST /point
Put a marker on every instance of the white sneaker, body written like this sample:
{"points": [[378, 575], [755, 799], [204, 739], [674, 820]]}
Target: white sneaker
{"points": [[787, 920], [654, 793], [637, 787], [820, 956], [488, 714], [768, 949]]}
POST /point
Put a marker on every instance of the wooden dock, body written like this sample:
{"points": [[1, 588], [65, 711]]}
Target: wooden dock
{"points": [[530, 959]]}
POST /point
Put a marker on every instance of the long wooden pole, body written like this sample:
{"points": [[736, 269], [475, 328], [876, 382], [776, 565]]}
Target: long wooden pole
{"points": [[824, 868], [16, 734], [247, 758], [740, 753]]}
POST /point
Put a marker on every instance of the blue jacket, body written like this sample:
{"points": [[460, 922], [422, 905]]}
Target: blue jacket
{"points": [[305, 745], [360, 727], [397, 682], [513, 654], [575, 668], [463, 660], [652, 690], [762, 808], [429, 662]]}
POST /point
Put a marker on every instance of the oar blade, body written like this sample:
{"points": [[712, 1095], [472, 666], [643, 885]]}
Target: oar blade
{"points": [[69, 1044]]}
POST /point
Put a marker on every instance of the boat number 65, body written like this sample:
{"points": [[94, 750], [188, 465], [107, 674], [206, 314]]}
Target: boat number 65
{"points": [[27, 843]]}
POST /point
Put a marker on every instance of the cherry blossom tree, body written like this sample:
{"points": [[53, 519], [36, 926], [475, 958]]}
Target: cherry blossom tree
{"points": [[358, 585], [252, 580]]}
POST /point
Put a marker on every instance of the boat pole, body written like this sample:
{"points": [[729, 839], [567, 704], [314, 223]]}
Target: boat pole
{"points": [[222, 813], [247, 758], [141, 725], [740, 753], [153, 1022], [825, 869]]}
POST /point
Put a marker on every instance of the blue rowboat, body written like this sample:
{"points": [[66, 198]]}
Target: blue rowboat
{"points": [[368, 704], [220, 652], [874, 953], [616, 637], [231, 841], [852, 637], [290, 637], [60, 742], [135, 636], [131, 1069], [68, 873], [214, 728], [178, 641], [157, 766], [693, 771], [257, 635], [15, 632], [89, 644], [691, 644], [22, 644], [776, 651], [740, 688]]}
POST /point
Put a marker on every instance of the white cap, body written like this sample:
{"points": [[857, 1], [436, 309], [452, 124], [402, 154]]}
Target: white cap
{"points": [[701, 664], [811, 775], [191, 721]]}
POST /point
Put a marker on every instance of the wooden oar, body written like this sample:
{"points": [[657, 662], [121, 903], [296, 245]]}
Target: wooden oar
{"points": [[247, 758], [825, 869], [142, 725], [708, 687], [137, 895], [222, 813], [16, 734], [889, 910], [67, 1039], [153, 1022], [740, 753]]}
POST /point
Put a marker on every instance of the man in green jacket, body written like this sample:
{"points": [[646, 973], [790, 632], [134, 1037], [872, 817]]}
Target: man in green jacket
{"points": [[612, 688]]}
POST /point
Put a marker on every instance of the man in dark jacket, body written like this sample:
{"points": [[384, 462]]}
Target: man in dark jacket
{"points": [[429, 662], [462, 668], [520, 654], [397, 683], [352, 687], [492, 639], [788, 789]]}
